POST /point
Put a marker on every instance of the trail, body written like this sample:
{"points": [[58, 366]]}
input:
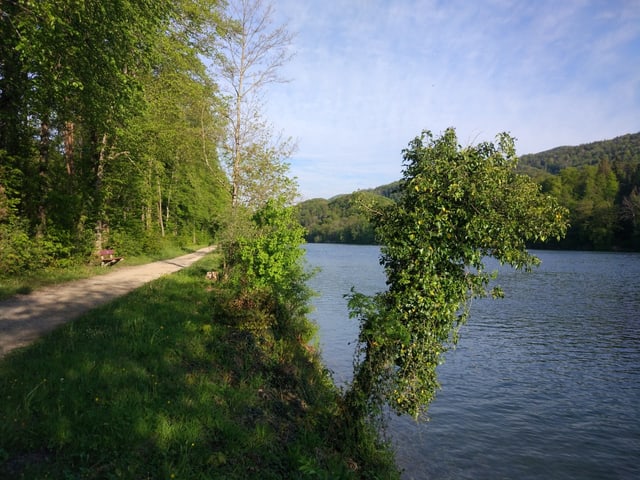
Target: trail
{"points": [[24, 318]]}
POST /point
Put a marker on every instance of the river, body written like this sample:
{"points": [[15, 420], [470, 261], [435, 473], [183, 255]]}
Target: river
{"points": [[544, 384]]}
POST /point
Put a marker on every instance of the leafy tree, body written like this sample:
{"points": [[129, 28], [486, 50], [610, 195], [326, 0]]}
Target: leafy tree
{"points": [[271, 254], [594, 181], [341, 219], [171, 148], [631, 213], [73, 78], [458, 206], [265, 263], [109, 125]]}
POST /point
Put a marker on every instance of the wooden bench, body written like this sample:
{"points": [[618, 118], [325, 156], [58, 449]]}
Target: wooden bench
{"points": [[107, 258]]}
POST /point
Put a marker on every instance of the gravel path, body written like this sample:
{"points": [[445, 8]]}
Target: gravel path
{"points": [[24, 318]]}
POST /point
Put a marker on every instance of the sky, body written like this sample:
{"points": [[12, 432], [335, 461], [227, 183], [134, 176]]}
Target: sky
{"points": [[368, 76]]}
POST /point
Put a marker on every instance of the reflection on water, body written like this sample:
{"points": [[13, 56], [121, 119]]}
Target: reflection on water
{"points": [[543, 384]]}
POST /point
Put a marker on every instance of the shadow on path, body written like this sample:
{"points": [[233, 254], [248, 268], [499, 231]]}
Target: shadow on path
{"points": [[24, 318]]}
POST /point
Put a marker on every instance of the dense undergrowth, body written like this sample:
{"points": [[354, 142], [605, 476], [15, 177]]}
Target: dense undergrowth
{"points": [[182, 378]]}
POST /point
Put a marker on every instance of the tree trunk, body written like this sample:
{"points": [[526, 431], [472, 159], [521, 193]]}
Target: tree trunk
{"points": [[43, 176], [160, 219], [101, 225], [69, 144]]}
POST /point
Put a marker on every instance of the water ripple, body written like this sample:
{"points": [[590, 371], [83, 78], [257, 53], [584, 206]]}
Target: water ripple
{"points": [[543, 384]]}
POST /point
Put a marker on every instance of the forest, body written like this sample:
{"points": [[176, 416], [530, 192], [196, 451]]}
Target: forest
{"points": [[598, 182], [130, 125]]}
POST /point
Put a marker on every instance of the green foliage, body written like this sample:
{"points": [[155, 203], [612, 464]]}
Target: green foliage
{"points": [[266, 257], [598, 197], [272, 256], [623, 149], [109, 128], [342, 219], [154, 385], [16, 253], [458, 207], [596, 182]]}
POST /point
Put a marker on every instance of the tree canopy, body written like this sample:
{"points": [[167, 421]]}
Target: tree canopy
{"points": [[251, 52], [111, 126], [624, 149], [459, 206]]}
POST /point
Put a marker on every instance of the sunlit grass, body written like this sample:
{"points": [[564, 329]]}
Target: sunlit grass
{"points": [[154, 386]]}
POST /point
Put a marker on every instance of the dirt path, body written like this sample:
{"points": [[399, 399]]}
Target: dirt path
{"points": [[23, 318]]}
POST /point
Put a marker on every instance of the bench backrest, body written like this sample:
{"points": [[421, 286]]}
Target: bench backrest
{"points": [[106, 252]]}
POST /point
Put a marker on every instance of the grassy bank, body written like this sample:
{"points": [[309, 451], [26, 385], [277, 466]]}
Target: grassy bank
{"points": [[161, 384], [31, 280]]}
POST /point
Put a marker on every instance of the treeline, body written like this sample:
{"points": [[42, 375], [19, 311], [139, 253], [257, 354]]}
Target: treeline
{"points": [[338, 220], [133, 125], [625, 149], [109, 128], [599, 183]]}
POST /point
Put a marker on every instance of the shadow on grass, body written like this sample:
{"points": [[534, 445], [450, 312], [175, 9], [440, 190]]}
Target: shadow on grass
{"points": [[151, 386]]}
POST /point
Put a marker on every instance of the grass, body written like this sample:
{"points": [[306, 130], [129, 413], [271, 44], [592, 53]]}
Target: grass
{"points": [[32, 280], [156, 386]]}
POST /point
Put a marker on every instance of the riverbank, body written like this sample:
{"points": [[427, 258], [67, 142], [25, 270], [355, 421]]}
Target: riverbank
{"points": [[153, 385]]}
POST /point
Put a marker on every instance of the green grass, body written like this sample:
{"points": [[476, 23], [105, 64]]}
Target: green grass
{"points": [[32, 280], [153, 385]]}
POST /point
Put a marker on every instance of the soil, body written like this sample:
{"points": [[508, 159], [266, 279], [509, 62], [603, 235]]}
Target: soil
{"points": [[24, 318]]}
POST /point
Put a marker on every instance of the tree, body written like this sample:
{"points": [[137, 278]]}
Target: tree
{"points": [[171, 147], [110, 126], [251, 52], [630, 213], [73, 79], [265, 266], [458, 206]]}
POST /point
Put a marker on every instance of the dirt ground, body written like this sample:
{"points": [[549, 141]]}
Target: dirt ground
{"points": [[24, 318]]}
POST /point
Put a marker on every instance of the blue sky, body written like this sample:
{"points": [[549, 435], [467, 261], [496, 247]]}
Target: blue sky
{"points": [[370, 75]]}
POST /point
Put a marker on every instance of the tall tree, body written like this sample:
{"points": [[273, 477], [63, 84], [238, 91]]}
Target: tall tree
{"points": [[108, 120], [252, 51], [172, 146], [458, 207], [74, 82]]}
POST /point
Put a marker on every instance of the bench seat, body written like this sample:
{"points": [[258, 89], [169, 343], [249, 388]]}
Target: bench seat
{"points": [[108, 258]]}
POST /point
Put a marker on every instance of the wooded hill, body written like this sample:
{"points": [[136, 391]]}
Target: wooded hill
{"points": [[598, 182], [623, 149]]}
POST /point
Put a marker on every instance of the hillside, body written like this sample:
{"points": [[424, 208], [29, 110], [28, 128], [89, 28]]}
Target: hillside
{"points": [[625, 148], [598, 182], [340, 219]]}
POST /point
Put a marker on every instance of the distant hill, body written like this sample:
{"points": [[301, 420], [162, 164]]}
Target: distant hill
{"points": [[625, 148], [598, 182], [391, 190], [340, 219]]}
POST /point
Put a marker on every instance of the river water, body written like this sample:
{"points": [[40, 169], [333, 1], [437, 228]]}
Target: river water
{"points": [[544, 384]]}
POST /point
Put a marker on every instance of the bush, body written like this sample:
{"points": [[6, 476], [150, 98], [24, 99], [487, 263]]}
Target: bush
{"points": [[16, 249]]}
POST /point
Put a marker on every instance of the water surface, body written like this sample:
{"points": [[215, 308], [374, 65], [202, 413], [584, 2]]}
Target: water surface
{"points": [[543, 384]]}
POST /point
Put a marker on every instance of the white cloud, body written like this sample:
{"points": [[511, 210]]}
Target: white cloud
{"points": [[370, 75]]}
